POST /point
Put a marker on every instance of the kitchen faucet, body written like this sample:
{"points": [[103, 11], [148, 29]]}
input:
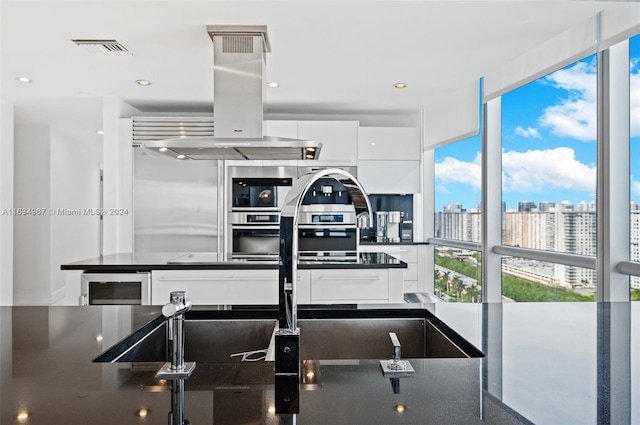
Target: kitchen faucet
{"points": [[287, 336], [176, 370]]}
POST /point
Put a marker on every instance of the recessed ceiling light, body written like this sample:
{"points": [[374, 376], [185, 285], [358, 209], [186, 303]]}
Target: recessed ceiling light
{"points": [[22, 416], [272, 84], [142, 412], [24, 79], [400, 408], [400, 85], [99, 338], [181, 156], [162, 149], [143, 82], [100, 132]]}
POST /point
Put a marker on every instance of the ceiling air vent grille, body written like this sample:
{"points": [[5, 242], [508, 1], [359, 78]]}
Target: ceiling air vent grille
{"points": [[101, 46], [159, 128], [237, 44]]}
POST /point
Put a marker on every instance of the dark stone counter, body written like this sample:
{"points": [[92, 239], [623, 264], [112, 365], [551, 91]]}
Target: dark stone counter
{"points": [[555, 363], [128, 262]]}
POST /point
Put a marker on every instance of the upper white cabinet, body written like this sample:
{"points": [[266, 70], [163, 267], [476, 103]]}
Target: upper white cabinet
{"points": [[281, 129], [339, 140], [389, 176], [389, 143]]}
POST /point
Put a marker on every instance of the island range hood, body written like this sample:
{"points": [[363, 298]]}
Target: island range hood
{"points": [[239, 89]]}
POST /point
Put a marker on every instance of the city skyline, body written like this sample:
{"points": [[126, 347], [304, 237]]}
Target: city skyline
{"points": [[548, 142]]}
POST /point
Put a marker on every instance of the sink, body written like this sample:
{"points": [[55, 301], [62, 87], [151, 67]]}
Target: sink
{"points": [[213, 336]]}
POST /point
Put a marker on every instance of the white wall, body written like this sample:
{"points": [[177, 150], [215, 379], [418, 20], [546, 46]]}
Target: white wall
{"points": [[59, 174], [6, 202], [74, 185], [32, 233]]}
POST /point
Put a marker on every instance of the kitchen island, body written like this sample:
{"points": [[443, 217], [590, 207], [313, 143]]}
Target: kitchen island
{"points": [[369, 277], [555, 363]]}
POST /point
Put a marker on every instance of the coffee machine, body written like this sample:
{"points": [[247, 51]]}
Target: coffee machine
{"points": [[389, 226], [394, 221]]}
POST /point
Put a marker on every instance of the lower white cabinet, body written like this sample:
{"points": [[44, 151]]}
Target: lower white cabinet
{"points": [[414, 276], [333, 286], [212, 287], [303, 286], [255, 287]]}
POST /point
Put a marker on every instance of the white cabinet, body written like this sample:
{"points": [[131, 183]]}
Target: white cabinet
{"points": [[389, 143], [349, 286], [275, 128], [414, 276], [213, 287], [303, 287], [389, 159], [339, 140], [389, 176]]}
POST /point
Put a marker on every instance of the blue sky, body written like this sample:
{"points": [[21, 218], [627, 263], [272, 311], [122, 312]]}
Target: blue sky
{"points": [[548, 142]]}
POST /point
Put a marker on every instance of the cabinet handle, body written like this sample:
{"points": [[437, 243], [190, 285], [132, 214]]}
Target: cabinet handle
{"points": [[217, 278], [255, 227], [349, 278]]}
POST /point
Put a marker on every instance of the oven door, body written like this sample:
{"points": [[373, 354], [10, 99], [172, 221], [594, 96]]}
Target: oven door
{"points": [[115, 289], [255, 241], [259, 193]]}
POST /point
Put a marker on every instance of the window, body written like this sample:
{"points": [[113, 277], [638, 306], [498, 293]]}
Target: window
{"points": [[457, 193], [531, 280], [549, 156], [458, 274]]}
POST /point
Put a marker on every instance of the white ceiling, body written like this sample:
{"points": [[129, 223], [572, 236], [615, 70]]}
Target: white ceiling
{"points": [[328, 56]]}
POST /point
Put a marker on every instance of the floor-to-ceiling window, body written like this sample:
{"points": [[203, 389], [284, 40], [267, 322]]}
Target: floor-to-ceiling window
{"points": [[549, 182]]}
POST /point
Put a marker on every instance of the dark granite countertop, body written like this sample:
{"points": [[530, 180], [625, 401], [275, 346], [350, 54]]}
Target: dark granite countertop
{"points": [[129, 262], [555, 363]]}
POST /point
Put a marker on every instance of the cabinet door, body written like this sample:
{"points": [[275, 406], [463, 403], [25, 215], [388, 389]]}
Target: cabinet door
{"points": [[303, 287], [281, 129], [349, 286], [339, 140], [389, 143], [400, 177], [214, 287], [406, 253]]}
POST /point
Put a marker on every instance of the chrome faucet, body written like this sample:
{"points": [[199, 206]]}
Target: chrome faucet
{"points": [[287, 354], [174, 311], [176, 370]]}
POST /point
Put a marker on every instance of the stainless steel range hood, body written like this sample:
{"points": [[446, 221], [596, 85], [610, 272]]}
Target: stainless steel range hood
{"points": [[239, 89]]}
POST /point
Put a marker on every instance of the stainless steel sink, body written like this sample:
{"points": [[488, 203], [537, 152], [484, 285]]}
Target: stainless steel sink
{"points": [[214, 336]]}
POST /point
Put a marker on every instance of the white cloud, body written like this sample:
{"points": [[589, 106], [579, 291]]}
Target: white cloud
{"points": [[574, 116], [538, 171], [528, 132], [452, 170], [635, 188]]}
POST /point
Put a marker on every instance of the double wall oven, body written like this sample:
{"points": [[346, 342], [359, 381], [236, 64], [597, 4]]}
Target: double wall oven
{"points": [[254, 201], [326, 221]]}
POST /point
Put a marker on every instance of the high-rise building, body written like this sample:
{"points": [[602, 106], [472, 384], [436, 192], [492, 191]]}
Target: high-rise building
{"points": [[526, 206], [546, 206]]}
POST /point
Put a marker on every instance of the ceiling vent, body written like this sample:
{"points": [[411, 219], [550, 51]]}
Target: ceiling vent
{"points": [[101, 46]]}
